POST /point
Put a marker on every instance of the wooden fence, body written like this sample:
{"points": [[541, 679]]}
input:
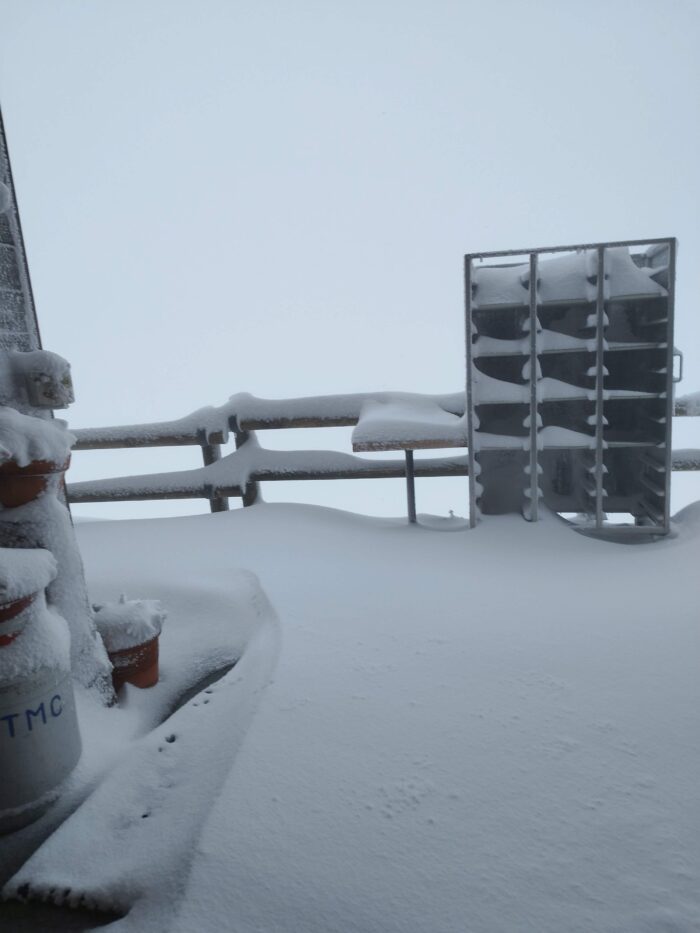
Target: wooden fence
{"points": [[220, 478], [238, 474]]}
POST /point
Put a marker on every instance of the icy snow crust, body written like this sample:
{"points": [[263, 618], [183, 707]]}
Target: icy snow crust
{"points": [[25, 439], [490, 731]]}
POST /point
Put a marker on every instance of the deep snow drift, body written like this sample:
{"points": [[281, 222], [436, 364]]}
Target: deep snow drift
{"points": [[484, 731]]}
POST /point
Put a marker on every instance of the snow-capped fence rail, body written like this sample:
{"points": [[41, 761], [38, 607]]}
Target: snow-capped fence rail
{"points": [[687, 405], [238, 473], [251, 464], [687, 459], [245, 412]]}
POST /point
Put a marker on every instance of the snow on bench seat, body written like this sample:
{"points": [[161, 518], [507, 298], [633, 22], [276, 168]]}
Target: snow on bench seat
{"points": [[407, 422]]}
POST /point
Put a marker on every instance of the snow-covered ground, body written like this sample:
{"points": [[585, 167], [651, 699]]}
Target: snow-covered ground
{"points": [[436, 729]]}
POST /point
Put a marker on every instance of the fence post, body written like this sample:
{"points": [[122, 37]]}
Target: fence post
{"points": [[210, 454], [252, 490]]}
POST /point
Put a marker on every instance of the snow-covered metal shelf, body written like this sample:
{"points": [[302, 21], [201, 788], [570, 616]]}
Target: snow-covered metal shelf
{"points": [[486, 347], [562, 338]]}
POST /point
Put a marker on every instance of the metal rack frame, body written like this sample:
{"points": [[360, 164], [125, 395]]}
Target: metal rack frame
{"points": [[660, 525]]}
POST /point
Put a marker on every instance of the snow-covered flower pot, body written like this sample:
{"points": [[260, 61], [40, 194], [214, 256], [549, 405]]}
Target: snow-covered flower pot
{"points": [[130, 630], [34, 453], [22, 484], [137, 665]]}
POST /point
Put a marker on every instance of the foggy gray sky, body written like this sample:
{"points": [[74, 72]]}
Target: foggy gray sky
{"points": [[275, 197]]}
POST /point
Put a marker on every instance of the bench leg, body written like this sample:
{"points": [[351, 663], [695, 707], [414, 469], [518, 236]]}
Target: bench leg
{"points": [[410, 488]]}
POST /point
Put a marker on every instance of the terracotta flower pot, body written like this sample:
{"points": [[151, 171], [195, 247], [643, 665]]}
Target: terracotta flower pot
{"points": [[20, 485], [137, 665], [12, 618]]}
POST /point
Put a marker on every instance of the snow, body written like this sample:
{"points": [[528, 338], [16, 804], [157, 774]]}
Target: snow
{"points": [[37, 378], [488, 389], [24, 571], [489, 730], [550, 437], [212, 626], [24, 439], [129, 622], [330, 407], [500, 285], [209, 423], [407, 421], [43, 643], [484, 440], [548, 341], [557, 436], [564, 278], [495, 346], [551, 341], [549, 389]]}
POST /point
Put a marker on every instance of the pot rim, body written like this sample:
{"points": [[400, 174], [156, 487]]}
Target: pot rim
{"points": [[11, 610], [121, 654]]}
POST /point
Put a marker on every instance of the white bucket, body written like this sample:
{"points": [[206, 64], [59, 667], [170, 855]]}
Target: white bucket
{"points": [[39, 744]]}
